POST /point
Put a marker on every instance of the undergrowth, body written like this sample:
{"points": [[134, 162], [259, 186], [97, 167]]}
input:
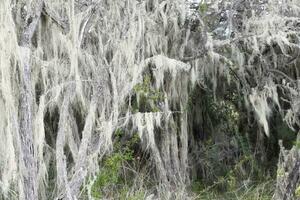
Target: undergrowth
{"points": [[255, 191], [110, 182]]}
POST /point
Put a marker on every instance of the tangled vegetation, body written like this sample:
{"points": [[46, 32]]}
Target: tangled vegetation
{"points": [[149, 99]]}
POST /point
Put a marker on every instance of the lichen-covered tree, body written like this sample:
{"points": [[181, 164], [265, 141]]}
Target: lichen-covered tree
{"points": [[80, 79]]}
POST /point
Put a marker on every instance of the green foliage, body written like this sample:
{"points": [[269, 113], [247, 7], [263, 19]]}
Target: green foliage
{"points": [[110, 173], [257, 191], [203, 7], [229, 168], [147, 98], [262, 190], [125, 194], [222, 111], [297, 192], [286, 135]]}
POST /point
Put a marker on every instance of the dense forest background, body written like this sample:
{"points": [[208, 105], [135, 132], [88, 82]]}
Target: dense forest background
{"points": [[149, 99]]}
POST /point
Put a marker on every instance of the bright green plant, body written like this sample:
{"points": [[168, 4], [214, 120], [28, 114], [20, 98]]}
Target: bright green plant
{"points": [[110, 173]]}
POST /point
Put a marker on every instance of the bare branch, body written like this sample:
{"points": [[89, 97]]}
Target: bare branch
{"points": [[63, 23]]}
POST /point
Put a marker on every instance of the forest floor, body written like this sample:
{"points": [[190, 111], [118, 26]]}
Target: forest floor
{"points": [[254, 191]]}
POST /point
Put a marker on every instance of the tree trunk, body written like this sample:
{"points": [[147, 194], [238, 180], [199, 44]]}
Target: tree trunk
{"points": [[26, 132], [287, 173], [29, 172]]}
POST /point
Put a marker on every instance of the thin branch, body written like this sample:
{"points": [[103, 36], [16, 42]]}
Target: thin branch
{"points": [[62, 23], [282, 74], [189, 59]]}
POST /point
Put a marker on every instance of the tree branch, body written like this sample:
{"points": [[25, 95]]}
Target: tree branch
{"points": [[62, 23]]}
